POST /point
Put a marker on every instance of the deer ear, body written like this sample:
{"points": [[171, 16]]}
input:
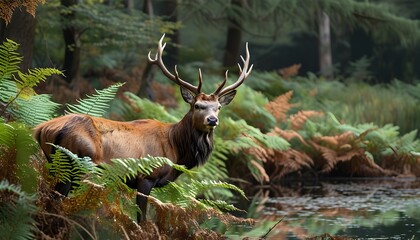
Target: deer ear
{"points": [[226, 98], [187, 95]]}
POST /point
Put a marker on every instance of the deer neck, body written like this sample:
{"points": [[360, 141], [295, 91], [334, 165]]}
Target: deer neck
{"points": [[193, 146]]}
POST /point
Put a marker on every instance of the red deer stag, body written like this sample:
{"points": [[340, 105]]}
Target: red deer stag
{"points": [[188, 142]]}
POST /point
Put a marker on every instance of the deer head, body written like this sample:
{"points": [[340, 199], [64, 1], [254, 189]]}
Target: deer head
{"points": [[204, 107]]}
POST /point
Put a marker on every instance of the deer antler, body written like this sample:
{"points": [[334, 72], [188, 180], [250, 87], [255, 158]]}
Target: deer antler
{"points": [[244, 72], [175, 78]]}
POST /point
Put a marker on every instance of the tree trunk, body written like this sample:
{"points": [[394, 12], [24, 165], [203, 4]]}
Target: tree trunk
{"points": [[233, 40], [72, 43], [325, 57], [145, 90], [169, 11], [148, 8], [129, 4], [21, 29]]}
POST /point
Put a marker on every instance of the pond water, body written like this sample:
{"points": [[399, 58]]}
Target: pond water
{"points": [[356, 208]]}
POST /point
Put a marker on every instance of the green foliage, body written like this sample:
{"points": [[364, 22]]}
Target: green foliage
{"points": [[60, 167], [249, 105], [119, 170], [16, 147], [111, 179], [34, 76], [238, 135], [269, 20], [97, 104], [141, 108], [359, 69], [357, 102], [185, 193], [34, 110], [16, 212], [9, 59], [108, 42], [17, 94]]}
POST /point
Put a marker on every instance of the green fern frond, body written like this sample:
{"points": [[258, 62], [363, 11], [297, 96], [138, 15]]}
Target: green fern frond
{"points": [[9, 59], [17, 142], [147, 110], [205, 185], [6, 135], [34, 76], [248, 136], [185, 193], [60, 167], [16, 211], [33, 110], [8, 90], [66, 166], [249, 106], [219, 204], [404, 145], [120, 170], [21, 102], [26, 147], [97, 104]]}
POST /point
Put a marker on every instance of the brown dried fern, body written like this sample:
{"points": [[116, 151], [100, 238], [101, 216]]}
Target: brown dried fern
{"points": [[8, 7], [299, 119], [287, 162], [89, 200], [290, 71], [337, 141], [288, 135], [175, 222], [280, 106]]}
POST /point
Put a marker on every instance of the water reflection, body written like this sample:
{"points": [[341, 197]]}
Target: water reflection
{"points": [[382, 209]]}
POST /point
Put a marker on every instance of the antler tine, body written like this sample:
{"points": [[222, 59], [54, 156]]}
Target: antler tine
{"points": [[200, 80], [244, 72], [175, 78], [217, 92]]}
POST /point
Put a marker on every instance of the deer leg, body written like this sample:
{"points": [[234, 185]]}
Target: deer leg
{"points": [[145, 187], [63, 188]]}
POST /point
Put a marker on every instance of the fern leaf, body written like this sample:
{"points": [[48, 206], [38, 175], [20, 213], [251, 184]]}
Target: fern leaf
{"points": [[6, 135], [60, 167], [34, 76], [34, 110], [26, 147], [66, 166], [185, 193], [219, 204], [8, 90], [280, 106], [97, 104], [299, 119], [17, 142], [118, 171], [9, 59], [204, 185], [16, 211], [140, 108]]}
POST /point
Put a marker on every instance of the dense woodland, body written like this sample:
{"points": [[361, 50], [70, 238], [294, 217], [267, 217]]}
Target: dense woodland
{"points": [[334, 93]]}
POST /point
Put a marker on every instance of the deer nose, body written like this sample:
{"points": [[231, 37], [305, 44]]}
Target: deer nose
{"points": [[212, 121]]}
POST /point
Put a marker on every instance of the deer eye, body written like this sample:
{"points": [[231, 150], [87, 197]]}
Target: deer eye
{"points": [[219, 107], [200, 106]]}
